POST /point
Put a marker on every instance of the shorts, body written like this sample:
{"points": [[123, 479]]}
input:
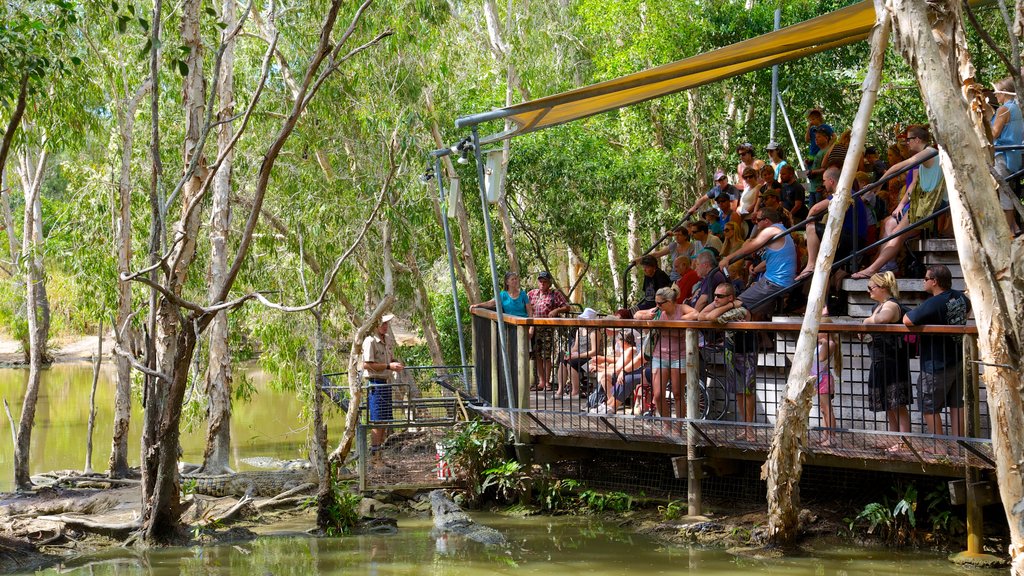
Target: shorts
{"points": [[622, 391], [740, 370], [379, 401], [937, 390], [577, 364], [543, 342], [826, 384], [757, 292], [668, 363], [1006, 201]]}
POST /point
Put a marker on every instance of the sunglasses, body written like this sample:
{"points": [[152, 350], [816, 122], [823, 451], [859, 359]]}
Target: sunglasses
{"points": [[660, 302], [722, 295]]}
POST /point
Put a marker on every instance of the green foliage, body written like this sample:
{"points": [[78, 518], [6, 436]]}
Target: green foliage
{"points": [[674, 509], [555, 494], [343, 512], [895, 523], [942, 518], [474, 447], [606, 501], [509, 479]]}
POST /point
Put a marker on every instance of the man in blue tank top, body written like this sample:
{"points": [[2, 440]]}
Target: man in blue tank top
{"points": [[779, 258]]}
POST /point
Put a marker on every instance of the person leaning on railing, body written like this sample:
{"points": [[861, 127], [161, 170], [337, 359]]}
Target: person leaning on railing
{"points": [[889, 376], [668, 353], [940, 383], [514, 301]]}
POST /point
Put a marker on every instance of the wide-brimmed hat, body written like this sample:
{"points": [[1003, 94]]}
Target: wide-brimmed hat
{"points": [[773, 145], [588, 314], [387, 318]]}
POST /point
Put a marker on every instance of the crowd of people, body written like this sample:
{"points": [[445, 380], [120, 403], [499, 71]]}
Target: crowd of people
{"points": [[746, 242]]}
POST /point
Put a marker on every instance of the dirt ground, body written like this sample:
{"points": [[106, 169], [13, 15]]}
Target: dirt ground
{"points": [[70, 349]]}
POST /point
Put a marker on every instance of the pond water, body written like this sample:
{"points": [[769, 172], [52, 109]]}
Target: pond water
{"points": [[271, 424], [560, 545]]}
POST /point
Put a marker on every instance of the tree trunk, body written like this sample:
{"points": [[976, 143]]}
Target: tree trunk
{"points": [[118, 462], [693, 118], [728, 126], [355, 379], [633, 245], [783, 467], [421, 299], [325, 500], [32, 250], [467, 273], [992, 263], [218, 374], [611, 246]]}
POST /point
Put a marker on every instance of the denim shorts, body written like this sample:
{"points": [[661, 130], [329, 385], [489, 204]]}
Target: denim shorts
{"points": [[667, 363]]}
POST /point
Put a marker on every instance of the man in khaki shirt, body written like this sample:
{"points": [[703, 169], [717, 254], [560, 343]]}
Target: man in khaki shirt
{"points": [[378, 366]]}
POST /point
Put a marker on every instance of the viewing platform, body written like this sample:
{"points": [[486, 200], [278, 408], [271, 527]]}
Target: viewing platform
{"points": [[553, 426]]}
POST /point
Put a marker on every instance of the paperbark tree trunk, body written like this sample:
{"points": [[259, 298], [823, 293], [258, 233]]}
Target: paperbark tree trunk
{"points": [[693, 117], [218, 372], [633, 245], [118, 463], [930, 37], [31, 175], [355, 378], [783, 466], [421, 299], [467, 273], [31, 249], [611, 246]]}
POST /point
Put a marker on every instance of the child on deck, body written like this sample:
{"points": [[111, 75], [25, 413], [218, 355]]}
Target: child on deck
{"points": [[827, 361]]}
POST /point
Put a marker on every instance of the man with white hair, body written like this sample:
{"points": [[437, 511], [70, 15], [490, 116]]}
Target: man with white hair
{"points": [[587, 344]]}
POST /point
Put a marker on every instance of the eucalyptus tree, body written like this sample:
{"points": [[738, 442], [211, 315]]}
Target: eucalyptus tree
{"points": [[34, 56], [180, 320]]}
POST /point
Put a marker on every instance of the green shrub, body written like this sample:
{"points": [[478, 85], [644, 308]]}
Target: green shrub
{"points": [[472, 448], [509, 479]]}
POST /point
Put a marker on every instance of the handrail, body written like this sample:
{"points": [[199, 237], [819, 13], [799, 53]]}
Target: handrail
{"points": [[774, 326], [837, 264], [632, 264]]}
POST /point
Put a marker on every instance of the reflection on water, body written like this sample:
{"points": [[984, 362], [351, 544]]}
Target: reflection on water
{"points": [[269, 425], [562, 546]]}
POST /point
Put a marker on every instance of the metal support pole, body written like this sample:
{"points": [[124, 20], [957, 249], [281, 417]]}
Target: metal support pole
{"points": [[693, 473], [451, 271], [505, 366], [792, 136], [775, 81]]}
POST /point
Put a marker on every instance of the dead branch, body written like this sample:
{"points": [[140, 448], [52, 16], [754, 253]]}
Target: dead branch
{"points": [[276, 500], [14, 434], [284, 502], [231, 513], [118, 531]]}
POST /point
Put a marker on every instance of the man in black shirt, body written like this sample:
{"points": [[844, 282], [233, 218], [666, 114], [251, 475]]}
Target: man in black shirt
{"points": [[793, 195], [654, 279], [941, 383]]}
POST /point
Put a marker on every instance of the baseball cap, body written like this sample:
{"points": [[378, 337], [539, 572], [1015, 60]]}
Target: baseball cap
{"points": [[773, 145], [826, 129], [719, 175], [545, 275]]}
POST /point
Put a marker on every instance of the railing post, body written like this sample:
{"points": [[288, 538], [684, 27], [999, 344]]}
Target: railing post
{"points": [[693, 472], [975, 533], [495, 366], [363, 455], [523, 383]]}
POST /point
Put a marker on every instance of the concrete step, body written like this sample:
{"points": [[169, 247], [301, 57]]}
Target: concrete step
{"points": [[906, 285], [951, 260], [933, 245]]}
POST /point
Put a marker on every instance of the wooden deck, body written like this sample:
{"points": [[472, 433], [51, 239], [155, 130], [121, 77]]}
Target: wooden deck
{"points": [[857, 449]]}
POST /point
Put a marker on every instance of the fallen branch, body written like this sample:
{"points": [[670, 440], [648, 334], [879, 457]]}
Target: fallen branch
{"points": [[276, 500], [298, 501], [118, 531], [231, 513]]}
